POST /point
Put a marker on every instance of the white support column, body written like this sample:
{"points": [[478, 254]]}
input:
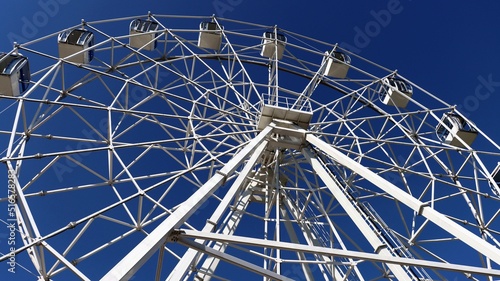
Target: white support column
{"points": [[277, 227], [273, 82], [187, 259], [335, 232], [126, 268], [418, 206], [353, 213]]}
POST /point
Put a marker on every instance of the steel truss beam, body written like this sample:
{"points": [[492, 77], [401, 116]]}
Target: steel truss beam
{"points": [[126, 268]]}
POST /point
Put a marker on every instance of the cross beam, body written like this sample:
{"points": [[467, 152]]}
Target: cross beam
{"points": [[293, 247], [126, 268]]}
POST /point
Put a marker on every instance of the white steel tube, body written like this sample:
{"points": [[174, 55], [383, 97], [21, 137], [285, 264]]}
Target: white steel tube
{"points": [[126, 268], [418, 206]]}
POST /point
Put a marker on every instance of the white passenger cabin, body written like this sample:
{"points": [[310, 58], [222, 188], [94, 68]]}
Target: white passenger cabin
{"points": [[337, 64], [273, 42], [395, 92], [14, 75], [143, 34], [76, 41], [459, 128], [210, 36]]}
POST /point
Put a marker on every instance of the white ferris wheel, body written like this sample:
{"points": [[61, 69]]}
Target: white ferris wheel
{"points": [[168, 147]]}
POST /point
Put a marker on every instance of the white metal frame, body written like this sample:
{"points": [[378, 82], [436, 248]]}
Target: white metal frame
{"points": [[335, 183]]}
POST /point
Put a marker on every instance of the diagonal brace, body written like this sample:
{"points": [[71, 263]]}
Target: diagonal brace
{"points": [[418, 206], [126, 268]]}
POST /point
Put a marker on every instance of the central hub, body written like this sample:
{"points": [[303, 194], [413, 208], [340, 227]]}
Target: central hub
{"points": [[279, 108], [292, 120]]}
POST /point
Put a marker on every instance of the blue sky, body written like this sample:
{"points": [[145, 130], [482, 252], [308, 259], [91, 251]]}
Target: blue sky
{"points": [[449, 49]]}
